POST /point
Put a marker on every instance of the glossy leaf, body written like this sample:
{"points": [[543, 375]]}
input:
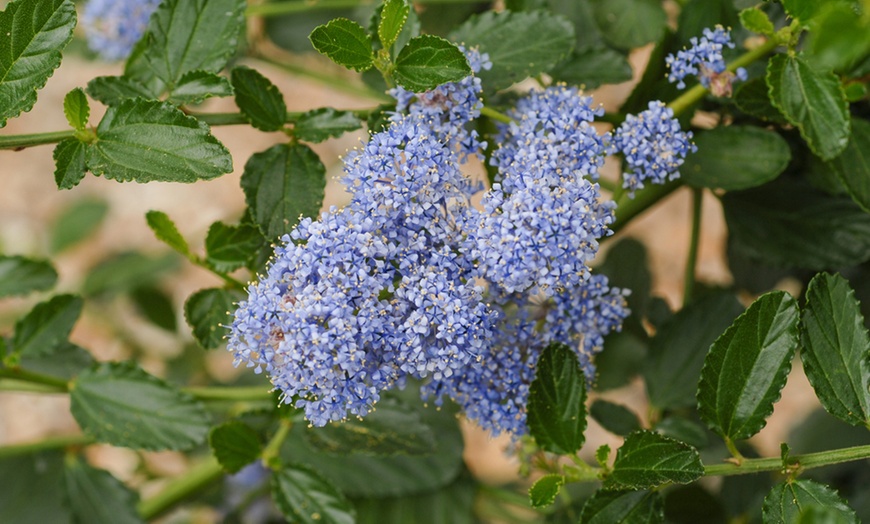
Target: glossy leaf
{"points": [[37, 494], [624, 507], [627, 24], [613, 417], [428, 61], [32, 36], [592, 67], [230, 247], [736, 157], [96, 497], [156, 306], [811, 100], [305, 497], [207, 311], [787, 501], [260, 101], [556, 409], [747, 367], [147, 140], [281, 184], [77, 222], [648, 459], [47, 326], [852, 167], [544, 491], [119, 404], [345, 42], [166, 231], [19, 275], [318, 125], [69, 159], [235, 445], [76, 108], [393, 17], [195, 86], [836, 349], [757, 21], [519, 44], [112, 90]]}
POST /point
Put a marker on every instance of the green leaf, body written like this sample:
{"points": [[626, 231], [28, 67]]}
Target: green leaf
{"points": [[259, 99], [736, 157], [207, 311], [36, 495], [304, 496], [624, 507], [119, 404], [65, 362], [752, 98], [839, 39], [96, 497], [543, 492], [281, 184], [557, 397], [195, 86], [836, 349], [824, 515], [592, 67], [319, 124], [852, 167], [428, 61], [231, 247], [615, 418], [697, 15], [47, 326], [626, 266], [393, 17], [789, 224], [77, 222], [166, 231], [688, 431], [787, 501], [19, 275], [757, 21], [811, 100], [147, 140], [345, 42], [676, 354], [32, 36], [391, 429], [648, 459], [235, 445], [627, 24], [126, 271], [69, 158], [112, 90], [620, 362], [76, 109], [156, 306], [519, 44], [747, 367], [452, 504], [803, 10]]}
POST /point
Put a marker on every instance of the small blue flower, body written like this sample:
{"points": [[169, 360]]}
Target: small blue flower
{"points": [[113, 27], [704, 60]]}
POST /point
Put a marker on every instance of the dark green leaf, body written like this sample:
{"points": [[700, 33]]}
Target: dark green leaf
{"points": [[69, 159], [112, 90], [195, 86], [624, 507], [691, 504], [757, 21], [736, 157], [36, 495], [747, 367], [688, 431], [787, 501], [836, 349], [519, 44], [77, 222], [626, 266], [126, 271], [32, 36], [230, 247], [825, 515], [19, 275], [839, 39], [156, 306], [811, 100], [697, 15], [147, 140], [259, 99], [119, 404], [319, 124], [165, 231], [789, 224], [852, 167], [557, 397], [96, 497], [65, 362], [621, 360], [428, 61], [281, 184], [648, 459], [207, 311], [235, 445], [615, 418], [345, 42], [47, 326], [752, 98], [543, 492], [304, 496], [627, 24], [592, 67], [580, 14], [676, 354], [76, 108], [452, 504], [393, 17]]}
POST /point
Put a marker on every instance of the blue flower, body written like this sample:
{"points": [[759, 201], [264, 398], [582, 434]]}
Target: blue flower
{"points": [[704, 60], [113, 27]]}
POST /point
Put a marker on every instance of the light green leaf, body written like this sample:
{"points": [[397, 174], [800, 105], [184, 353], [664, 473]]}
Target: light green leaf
{"points": [[787, 501], [37, 493], [428, 61], [231, 247], [852, 166], [166, 231], [195, 86], [259, 99], [803, 10], [627, 24], [319, 124], [281, 184], [757, 21], [19, 275], [811, 100], [592, 67], [393, 17], [615, 418], [77, 222], [69, 159], [345, 42], [32, 35], [147, 140], [47, 326], [207, 311], [76, 108], [557, 401], [119, 404], [305, 497], [736, 157], [747, 367], [839, 39], [836, 349], [235, 445], [624, 507], [96, 497], [824, 515], [543, 492], [156, 306], [648, 459], [112, 90]]}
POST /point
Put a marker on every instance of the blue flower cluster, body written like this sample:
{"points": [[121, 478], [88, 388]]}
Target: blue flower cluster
{"points": [[704, 60], [113, 27]]}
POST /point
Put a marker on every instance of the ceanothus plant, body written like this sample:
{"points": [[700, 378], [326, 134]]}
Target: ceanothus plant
{"points": [[463, 279]]}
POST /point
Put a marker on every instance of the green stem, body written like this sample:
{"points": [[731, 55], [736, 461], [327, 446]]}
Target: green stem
{"points": [[239, 394], [692, 260], [627, 208], [495, 115], [45, 445], [271, 453], [291, 7], [332, 81], [806, 461], [19, 142], [195, 480], [57, 384]]}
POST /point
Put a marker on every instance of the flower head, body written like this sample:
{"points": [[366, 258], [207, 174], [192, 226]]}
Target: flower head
{"points": [[112, 27], [704, 60]]}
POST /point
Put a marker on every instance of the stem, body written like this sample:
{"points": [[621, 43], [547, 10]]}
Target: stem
{"points": [[271, 452], [806, 461], [19, 142], [57, 384], [691, 262], [285, 8], [495, 115], [333, 81], [241, 394], [198, 478], [44, 445], [627, 208]]}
